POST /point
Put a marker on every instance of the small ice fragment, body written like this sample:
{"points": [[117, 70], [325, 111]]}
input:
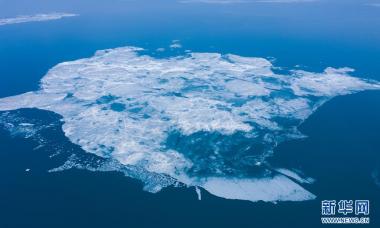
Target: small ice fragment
{"points": [[26, 124], [175, 44], [199, 193], [296, 176]]}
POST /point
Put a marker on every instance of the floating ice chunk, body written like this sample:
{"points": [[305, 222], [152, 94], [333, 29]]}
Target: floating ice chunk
{"points": [[332, 82], [29, 100], [268, 189], [36, 17]]}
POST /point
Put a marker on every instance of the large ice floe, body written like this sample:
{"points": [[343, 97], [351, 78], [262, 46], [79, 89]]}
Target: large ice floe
{"points": [[202, 119]]}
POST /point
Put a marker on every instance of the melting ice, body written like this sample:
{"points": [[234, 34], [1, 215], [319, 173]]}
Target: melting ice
{"points": [[203, 119]]}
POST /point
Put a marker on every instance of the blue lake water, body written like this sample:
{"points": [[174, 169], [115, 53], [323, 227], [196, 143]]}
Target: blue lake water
{"points": [[341, 151]]}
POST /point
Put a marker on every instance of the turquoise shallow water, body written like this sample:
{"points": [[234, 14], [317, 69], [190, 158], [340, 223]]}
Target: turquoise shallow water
{"points": [[341, 152]]}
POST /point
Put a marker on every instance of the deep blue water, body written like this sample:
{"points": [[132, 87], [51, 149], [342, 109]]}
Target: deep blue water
{"points": [[341, 152]]}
